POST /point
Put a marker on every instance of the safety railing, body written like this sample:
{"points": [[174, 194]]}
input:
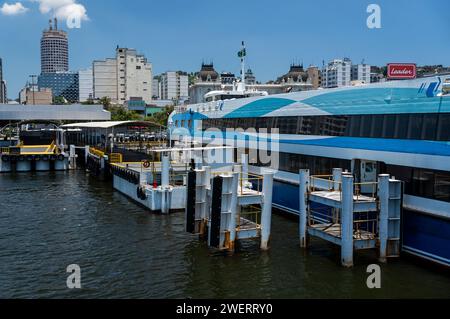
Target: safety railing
{"points": [[250, 184], [115, 158], [249, 217], [96, 152], [4, 150], [365, 190]]}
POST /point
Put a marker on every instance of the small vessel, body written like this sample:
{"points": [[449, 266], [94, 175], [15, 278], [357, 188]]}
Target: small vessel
{"points": [[239, 90]]}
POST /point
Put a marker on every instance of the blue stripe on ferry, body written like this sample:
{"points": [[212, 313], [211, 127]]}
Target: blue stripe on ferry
{"points": [[260, 107], [379, 101], [377, 144]]}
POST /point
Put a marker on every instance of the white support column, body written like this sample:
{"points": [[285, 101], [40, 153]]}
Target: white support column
{"points": [[383, 194], [303, 211], [337, 178], [244, 163], [233, 210], [72, 157], [165, 178], [266, 217], [347, 221], [86, 153]]}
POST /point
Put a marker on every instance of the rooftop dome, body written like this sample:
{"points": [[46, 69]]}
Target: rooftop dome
{"points": [[207, 73]]}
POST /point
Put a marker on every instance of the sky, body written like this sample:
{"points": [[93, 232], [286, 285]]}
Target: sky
{"points": [[180, 34]]}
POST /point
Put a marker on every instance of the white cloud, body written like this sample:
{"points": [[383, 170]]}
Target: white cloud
{"points": [[13, 9], [63, 9]]}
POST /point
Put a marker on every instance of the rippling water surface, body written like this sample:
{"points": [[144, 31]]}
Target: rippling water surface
{"points": [[51, 220]]}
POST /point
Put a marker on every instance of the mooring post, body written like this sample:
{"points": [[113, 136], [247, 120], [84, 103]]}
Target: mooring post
{"points": [[337, 179], [86, 154], [383, 194], [165, 178], [266, 217], [72, 157], [244, 163], [303, 211], [347, 221], [233, 210]]}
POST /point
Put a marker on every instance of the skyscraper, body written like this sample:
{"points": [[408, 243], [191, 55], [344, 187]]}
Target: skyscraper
{"points": [[3, 96], [54, 50]]}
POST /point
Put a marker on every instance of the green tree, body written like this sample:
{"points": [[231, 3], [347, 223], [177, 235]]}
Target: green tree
{"points": [[59, 100], [106, 102], [119, 113], [162, 117]]}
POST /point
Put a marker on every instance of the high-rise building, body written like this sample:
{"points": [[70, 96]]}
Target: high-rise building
{"points": [[156, 88], [134, 76], [63, 84], [86, 85], [105, 79], [54, 50], [337, 73], [3, 95], [174, 86], [127, 77], [361, 73]]}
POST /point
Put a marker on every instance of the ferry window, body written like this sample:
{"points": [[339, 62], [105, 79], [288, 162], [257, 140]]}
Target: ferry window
{"points": [[366, 126], [182, 123], [444, 127], [442, 187], [415, 126], [402, 127], [190, 124], [288, 125], [377, 126], [389, 126], [430, 127], [355, 126]]}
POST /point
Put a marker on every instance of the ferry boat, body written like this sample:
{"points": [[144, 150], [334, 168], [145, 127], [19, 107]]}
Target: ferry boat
{"points": [[401, 128]]}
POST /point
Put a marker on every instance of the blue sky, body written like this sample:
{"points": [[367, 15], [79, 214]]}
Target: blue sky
{"points": [[179, 34]]}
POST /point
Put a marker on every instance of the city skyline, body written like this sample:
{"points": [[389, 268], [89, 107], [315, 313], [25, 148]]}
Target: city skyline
{"points": [[282, 36]]}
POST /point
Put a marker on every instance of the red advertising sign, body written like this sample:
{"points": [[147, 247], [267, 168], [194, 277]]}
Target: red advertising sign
{"points": [[401, 71]]}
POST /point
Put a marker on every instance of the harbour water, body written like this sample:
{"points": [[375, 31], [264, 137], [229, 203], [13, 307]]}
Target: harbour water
{"points": [[51, 220]]}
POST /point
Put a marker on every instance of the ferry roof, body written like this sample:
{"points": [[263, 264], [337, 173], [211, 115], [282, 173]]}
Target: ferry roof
{"points": [[422, 95]]}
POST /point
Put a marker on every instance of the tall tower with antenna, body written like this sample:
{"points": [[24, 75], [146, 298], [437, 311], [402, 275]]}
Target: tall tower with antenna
{"points": [[54, 49]]}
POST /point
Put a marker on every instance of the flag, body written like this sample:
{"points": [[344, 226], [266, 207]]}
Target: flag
{"points": [[242, 53]]}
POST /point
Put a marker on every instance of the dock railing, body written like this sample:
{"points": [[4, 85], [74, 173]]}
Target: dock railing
{"points": [[365, 223]]}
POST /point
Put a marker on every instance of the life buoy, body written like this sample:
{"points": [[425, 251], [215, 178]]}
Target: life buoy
{"points": [[60, 157], [146, 164], [5, 158], [30, 158], [21, 158]]}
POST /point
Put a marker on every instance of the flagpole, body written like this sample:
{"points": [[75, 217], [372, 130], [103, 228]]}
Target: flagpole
{"points": [[244, 53]]}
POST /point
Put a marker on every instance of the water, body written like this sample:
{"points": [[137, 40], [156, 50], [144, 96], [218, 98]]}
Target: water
{"points": [[51, 220]]}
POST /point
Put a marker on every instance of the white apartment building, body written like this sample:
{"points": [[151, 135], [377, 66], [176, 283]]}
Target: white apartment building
{"points": [[156, 88], [105, 79], [361, 73], [134, 76], [174, 86], [127, 76], [85, 85], [337, 73]]}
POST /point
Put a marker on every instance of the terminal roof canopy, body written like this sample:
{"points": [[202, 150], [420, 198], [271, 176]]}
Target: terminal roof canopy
{"points": [[110, 124]]}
